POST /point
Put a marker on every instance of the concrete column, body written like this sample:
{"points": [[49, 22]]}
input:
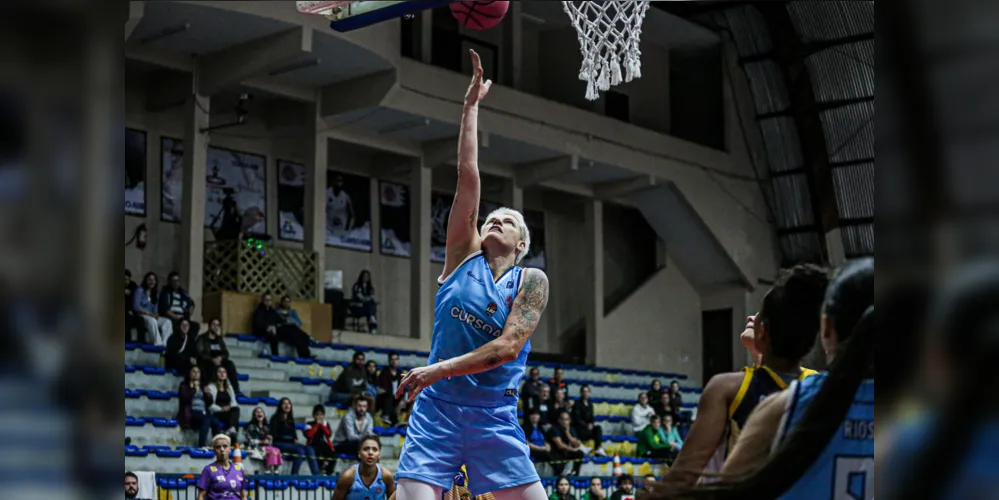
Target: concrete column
{"points": [[514, 196], [192, 218], [595, 291], [426, 35], [513, 47], [834, 245], [315, 193], [420, 307]]}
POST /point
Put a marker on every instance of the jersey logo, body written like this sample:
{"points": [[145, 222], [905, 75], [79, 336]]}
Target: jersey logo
{"points": [[477, 280], [473, 321], [509, 300], [378, 491], [491, 308], [509, 284], [512, 393]]}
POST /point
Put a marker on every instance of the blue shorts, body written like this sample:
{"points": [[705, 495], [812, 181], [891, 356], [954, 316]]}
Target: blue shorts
{"points": [[442, 437]]}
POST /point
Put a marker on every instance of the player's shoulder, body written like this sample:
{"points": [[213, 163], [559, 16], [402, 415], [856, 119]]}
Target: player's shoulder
{"points": [[387, 474], [534, 279], [346, 477], [725, 384]]}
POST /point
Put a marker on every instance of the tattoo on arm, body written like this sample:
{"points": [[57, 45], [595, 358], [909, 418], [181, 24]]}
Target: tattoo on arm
{"points": [[473, 219], [493, 361], [530, 303]]}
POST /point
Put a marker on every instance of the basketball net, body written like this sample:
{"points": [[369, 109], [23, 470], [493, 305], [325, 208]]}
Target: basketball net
{"points": [[609, 33]]}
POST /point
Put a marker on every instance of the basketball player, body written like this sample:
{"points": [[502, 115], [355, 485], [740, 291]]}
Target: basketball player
{"points": [[823, 426], [367, 480], [485, 312], [339, 209], [950, 452], [784, 332]]}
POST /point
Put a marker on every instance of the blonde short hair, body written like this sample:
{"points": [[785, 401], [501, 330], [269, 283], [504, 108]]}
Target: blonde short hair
{"points": [[525, 234], [222, 437]]}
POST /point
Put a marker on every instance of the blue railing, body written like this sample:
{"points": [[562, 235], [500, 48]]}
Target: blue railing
{"points": [[276, 487]]}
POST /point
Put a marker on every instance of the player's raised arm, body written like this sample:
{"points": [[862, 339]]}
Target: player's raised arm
{"points": [[525, 313], [462, 226]]}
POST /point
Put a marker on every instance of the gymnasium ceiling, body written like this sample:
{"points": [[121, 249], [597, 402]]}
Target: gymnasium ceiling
{"points": [[810, 67]]}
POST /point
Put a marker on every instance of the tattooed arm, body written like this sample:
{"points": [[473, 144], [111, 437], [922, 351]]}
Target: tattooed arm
{"points": [[520, 324]]}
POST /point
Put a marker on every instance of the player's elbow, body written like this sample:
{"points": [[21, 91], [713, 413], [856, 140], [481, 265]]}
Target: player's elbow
{"points": [[506, 350]]}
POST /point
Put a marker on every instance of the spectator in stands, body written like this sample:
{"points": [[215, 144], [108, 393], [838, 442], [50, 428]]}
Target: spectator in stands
{"points": [[285, 438], [388, 382], [371, 371], [530, 392], [675, 399], [222, 479], [132, 487], [583, 421], [567, 445], [595, 491], [258, 440], [158, 328], [352, 382], [192, 410], [288, 313], [541, 449], [562, 490], [663, 407], [222, 400], [654, 391], [641, 413], [559, 403], [175, 303], [363, 300], [317, 436], [355, 424], [654, 443], [672, 434], [649, 479], [625, 487], [270, 325], [181, 352], [134, 326], [558, 384], [544, 406], [212, 353]]}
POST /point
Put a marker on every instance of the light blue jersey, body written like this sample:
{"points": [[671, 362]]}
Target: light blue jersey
{"points": [[470, 310], [845, 470], [470, 420], [360, 491]]}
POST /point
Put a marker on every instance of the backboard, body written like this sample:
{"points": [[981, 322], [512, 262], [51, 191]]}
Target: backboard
{"points": [[351, 15]]}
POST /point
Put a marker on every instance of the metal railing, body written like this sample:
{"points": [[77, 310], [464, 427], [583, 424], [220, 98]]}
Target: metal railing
{"points": [[279, 487]]}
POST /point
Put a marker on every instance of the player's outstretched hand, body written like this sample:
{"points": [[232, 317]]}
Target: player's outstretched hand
{"points": [[418, 379], [478, 89]]}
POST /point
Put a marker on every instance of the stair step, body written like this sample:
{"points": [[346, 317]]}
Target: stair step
{"points": [[303, 401], [262, 373], [243, 362], [241, 351], [283, 385]]}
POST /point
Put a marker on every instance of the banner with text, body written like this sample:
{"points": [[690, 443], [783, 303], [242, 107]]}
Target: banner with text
{"points": [[394, 204], [135, 172], [228, 173]]}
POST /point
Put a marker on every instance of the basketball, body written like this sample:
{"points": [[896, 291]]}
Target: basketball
{"points": [[480, 15]]}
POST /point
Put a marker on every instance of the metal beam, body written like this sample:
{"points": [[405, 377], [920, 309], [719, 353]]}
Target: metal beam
{"points": [[231, 66], [531, 174], [788, 54], [136, 10], [817, 107], [363, 92], [807, 49], [440, 152], [617, 189]]}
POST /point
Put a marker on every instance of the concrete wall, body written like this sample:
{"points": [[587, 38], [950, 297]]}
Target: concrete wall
{"points": [[658, 328], [391, 274]]}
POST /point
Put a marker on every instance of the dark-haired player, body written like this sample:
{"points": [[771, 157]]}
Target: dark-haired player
{"points": [[783, 332]]}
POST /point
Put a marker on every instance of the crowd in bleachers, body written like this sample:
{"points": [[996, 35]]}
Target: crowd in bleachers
{"points": [[564, 425]]}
